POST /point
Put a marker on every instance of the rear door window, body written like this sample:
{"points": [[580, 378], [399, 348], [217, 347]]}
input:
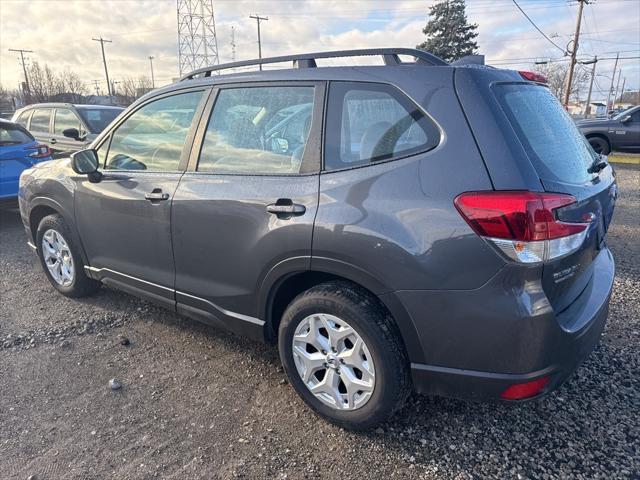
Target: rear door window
{"points": [[40, 120], [258, 130], [557, 149], [369, 122]]}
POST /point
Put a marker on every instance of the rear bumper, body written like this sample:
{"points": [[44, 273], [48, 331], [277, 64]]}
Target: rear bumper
{"points": [[475, 348]]}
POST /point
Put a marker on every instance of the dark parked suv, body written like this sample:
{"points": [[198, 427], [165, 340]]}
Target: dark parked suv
{"points": [[65, 127], [416, 223], [622, 132]]}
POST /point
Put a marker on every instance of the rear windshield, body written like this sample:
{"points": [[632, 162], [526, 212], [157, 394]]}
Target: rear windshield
{"points": [[97, 119], [14, 135], [557, 149]]}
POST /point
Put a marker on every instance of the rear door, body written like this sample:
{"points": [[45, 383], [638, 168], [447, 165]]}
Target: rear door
{"points": [[563, 160], [248, 202]]}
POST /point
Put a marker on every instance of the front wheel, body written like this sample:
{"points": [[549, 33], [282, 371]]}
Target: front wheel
{"points": [[600, 145], [61, 260], [343, 356]]}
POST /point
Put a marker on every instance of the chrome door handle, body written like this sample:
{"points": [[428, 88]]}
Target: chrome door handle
{"points": [[156, 196], [286, 208]]}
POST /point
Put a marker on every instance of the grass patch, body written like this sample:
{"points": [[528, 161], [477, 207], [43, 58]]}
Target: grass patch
{"points": [[624, 158]]}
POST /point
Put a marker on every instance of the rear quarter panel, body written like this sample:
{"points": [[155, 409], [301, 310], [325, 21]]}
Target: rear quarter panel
{"points": [[393, 224]]}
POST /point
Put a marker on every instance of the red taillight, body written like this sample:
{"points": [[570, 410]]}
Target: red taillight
{"points": [[523, 225], [41, 151], [520, 391], [533, 76]]}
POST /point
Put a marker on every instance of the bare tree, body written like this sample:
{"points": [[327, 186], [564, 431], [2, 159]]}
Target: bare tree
{"points": [[47, 85], [556, 74]]}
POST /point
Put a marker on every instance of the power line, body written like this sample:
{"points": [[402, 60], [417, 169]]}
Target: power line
{"points": [[538, 29]]}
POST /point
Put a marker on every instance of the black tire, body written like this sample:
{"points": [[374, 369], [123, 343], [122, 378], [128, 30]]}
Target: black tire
{"points": [[600, 145], [376, 328], [81, 286]]}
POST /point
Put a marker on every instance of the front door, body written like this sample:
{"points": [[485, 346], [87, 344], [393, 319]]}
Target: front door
{"points": [[124, 219], [248, 202], [64, 119]]}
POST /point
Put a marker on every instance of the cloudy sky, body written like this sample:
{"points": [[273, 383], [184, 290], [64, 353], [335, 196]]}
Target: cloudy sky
{"points": [[60, 32]]}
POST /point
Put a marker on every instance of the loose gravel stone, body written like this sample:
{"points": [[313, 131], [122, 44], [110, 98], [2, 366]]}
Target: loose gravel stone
{"points": [[114, 384]]}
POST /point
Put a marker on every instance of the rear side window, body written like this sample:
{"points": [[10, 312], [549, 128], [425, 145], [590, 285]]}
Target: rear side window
{"points": [[557, 149], [369, 122], [258, 131], [14, 135], [23, 118], [64, 119], [40, 120]]}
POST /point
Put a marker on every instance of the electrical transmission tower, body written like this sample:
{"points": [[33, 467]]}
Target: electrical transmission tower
{"points": [[197, 42]]}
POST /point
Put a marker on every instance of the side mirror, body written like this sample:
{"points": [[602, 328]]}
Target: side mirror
{"points": [[72, 133], [85, 162], [625, 119]]}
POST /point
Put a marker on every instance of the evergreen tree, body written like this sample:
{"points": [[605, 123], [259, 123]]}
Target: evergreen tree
{"points": [[449, 35]]}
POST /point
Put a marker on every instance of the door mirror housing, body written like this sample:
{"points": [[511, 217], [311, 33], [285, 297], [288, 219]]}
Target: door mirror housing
{"points": [[73, 133], [625, 119], [85, 162]]}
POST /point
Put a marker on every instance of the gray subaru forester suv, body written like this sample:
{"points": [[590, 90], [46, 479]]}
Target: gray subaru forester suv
{"points": [[410, 224]]}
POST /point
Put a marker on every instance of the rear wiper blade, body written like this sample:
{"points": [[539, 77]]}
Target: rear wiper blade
{"points": [[600, 163]]}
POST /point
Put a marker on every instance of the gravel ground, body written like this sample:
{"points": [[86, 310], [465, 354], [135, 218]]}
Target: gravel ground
{"points": [[201, 403]]}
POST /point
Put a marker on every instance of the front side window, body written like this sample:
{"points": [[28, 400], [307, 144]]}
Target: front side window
{"points": [[368, 122], [258, 130], [40, 120], [153, 137], [65, 119]]}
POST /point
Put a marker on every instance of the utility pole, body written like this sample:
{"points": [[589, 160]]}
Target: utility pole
{"points": [[617, 86], [233, 43], [615, 67], [258, 19], [104, 60], [27, 89], [153, 81], [587, 109], [624, 81], [574, 51]]}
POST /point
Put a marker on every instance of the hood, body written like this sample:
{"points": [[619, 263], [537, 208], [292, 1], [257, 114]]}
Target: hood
{"points": [[594, 122]]}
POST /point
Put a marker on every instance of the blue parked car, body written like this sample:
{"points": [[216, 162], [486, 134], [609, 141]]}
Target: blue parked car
{"points": [[18, 151]]}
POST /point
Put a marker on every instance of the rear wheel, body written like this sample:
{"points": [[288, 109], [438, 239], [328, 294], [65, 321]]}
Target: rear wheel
{"points": [[600, 145], [343, 356], [61, 260]]}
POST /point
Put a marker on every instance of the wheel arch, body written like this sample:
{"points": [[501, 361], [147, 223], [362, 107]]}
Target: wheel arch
{"points": [[602, 136], [40, 208], [282, 289]]}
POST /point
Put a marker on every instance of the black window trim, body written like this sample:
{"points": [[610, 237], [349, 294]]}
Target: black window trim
{"points": [[436, 128], [107, 135], [313, 150]]}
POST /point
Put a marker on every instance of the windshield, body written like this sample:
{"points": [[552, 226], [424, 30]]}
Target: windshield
{"points": [[97, 119], [625, 112], [14, 135], [557, 149]]}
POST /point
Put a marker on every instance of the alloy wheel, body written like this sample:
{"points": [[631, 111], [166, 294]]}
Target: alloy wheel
{"points": [[57, 256], [333, 361]]}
